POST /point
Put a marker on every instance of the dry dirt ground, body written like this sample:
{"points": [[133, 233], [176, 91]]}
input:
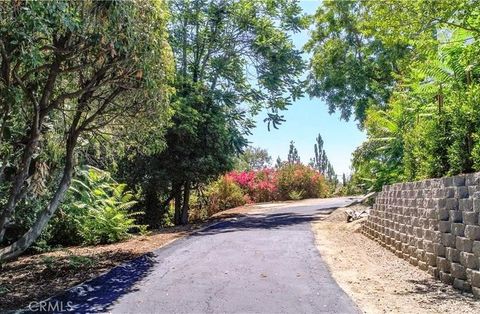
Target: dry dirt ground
{"points": [[37, 277], [376, 279]]}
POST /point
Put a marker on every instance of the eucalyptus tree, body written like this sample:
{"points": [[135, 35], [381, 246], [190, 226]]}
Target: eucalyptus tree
{"points": [[70, 70]]}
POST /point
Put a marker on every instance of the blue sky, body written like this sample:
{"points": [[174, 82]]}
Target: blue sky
{"points": [[305, 119]]}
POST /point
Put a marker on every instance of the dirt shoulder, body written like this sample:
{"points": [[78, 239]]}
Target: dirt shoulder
{"points": [[37, 277], [376, 279]]}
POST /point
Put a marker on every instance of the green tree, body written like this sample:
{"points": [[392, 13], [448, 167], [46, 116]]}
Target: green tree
{"points": [[253, 158], [379, 160], [293, 157], [70, 71], [321, 163], [238, 57], [241, 50], [331, 175], [278, 162], [201, 144], [318, 150], [350, 67], [428, 127]]}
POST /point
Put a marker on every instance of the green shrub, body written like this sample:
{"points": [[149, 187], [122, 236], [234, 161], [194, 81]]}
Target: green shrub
{"points": [[107, 218], [106, 225], [298, 178], [296, 195], [96, 210], [224, 194], [78, 261], [48, 262]]}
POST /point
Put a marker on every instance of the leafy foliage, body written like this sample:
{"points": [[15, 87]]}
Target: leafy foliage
{"points": [[322, 164], [350, 68], [233, 58], [106, 203], [201, 144], [241, 51], [223, 194], [73, 74], [289, 182], [295, 195], [299, 178], [259, 186], [429, 125], [253, 158]]}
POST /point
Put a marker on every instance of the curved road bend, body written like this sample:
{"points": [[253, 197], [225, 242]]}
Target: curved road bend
{"points": [[263, 263]]}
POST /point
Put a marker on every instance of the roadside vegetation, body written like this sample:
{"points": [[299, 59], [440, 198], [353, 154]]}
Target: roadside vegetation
{"points": [[408, 72], [112, 113], [125, 117]]}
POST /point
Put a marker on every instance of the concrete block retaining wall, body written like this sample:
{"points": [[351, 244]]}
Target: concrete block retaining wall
{"points": [[434, 224]]}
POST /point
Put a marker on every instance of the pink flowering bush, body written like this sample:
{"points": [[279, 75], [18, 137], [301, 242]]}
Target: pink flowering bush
{"points": [[260, 186], [298, 179], [223, 194], [291, 181], [245, 179]]}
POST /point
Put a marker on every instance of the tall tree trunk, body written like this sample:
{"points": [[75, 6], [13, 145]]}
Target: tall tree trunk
{"points": [[20, 178], [177, 220], [153, 209], [41, 110], [186, 203], [2, 169], [18, 247], [184, 47]]}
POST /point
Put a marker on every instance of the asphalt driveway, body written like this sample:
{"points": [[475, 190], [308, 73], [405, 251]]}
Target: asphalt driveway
{"points": [[263, 263]]}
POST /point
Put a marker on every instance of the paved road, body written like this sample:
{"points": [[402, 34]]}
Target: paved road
{"points": [[264, 263]]}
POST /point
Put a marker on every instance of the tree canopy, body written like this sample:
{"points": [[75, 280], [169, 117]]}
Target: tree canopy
{"points": [[253, 158], [428, 124], [233, 58], [351, 68], [242, 51], [67, 77], [161, 95]]}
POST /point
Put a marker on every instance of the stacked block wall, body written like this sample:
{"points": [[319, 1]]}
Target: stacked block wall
{"points": [[434, 224]]}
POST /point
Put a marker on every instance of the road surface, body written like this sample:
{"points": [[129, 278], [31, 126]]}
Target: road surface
{"points": [[263, 263]]}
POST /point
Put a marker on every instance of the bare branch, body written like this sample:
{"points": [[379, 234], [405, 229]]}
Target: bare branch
{"points": [[101, 109]]}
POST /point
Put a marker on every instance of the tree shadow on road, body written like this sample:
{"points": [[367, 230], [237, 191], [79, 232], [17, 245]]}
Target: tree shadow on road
{"points": [[98, 294], [265, 221]]}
